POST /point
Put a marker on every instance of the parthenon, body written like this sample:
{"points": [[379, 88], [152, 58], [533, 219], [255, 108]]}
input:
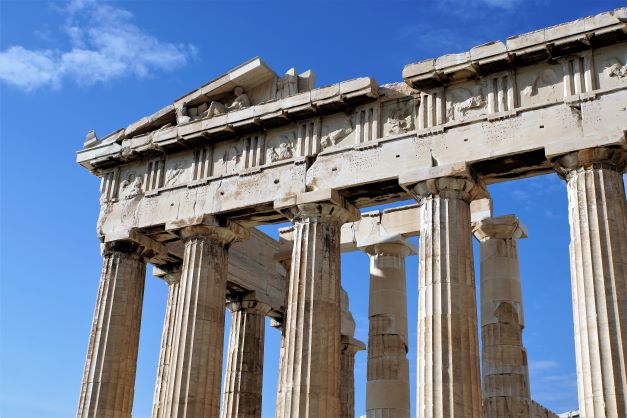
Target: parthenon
{"points": [[185, 188]]}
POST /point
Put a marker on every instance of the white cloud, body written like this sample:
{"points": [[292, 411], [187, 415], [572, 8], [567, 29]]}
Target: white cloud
{"points": [[105, 45], [552, 385], [538, 365], [470, 4], [505, 4]]}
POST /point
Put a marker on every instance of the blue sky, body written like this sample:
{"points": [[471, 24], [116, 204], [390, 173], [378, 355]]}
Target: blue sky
{"points": [[69, 67]]}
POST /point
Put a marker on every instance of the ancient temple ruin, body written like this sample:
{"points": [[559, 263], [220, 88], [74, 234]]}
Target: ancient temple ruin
{"points": [[183, 189]]}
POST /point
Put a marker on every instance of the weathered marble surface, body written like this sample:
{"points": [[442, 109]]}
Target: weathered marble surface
{"points": [[598, 257], [109, 375], [309, 385], [449, 382], [387, 388], [244, 364], [505, 374], [551, 98]]}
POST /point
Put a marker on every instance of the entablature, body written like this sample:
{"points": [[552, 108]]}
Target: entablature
{"points": [[544, 45], [168, 131]]}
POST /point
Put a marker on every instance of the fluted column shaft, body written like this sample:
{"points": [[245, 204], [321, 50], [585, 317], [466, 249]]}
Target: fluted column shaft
{"points": [[244, 368], [448, 355], [165, 353], [111, 364], [350, 347], [193, 388], [505, 371], [309, 385], [598, 258], [387, 388]]}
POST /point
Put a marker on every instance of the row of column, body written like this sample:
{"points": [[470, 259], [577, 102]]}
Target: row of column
{"points": [[449, 383]]}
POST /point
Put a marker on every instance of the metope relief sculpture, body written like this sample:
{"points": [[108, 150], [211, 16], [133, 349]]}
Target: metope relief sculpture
{"points": [[611, 67], [131, 186], [539, 85], [280, 145], [399, 117], [176, 172], [336, 130], [230, 159], [465, 102], [616, 69]]}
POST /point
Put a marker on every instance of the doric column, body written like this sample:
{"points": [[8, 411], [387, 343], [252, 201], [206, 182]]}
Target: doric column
{"points": [[448, 355], [598, 263], [173, 280], [350, 347], [505, 373], [309, 385], [244, 364], [109, 375], [193, 388], [387, 388]]}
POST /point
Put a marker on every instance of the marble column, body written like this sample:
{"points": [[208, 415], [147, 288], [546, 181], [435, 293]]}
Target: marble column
{"points": [[109, 376], [504, 367], [387, 387], [449, 382], [598, 262], [193, 388], [350, 347], [244, 364], [309, 385], [165, 354]]}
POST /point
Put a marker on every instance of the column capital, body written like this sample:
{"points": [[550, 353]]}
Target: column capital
{"points": [[352, 344], [170, 273], [456, 181], [466, 189], [611, 158], [248, 305], [501, 227], [221, 230], [127, 247], [326, 205], [387, 245]]}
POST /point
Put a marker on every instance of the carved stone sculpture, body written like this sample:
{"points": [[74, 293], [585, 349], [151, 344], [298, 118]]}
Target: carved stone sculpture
{"points": [[399, 121], [173, 174], [546, 78], [465, 100], [181, 115], [615, 68], [287, 85], [241, 101], [131, 187], [335, 136]]}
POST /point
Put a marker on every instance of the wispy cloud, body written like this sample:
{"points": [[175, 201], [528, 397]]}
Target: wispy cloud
{"points": [[504, 4], [538, 365], [437, 40], [553, 386], [104, 44], [473, 4]]}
